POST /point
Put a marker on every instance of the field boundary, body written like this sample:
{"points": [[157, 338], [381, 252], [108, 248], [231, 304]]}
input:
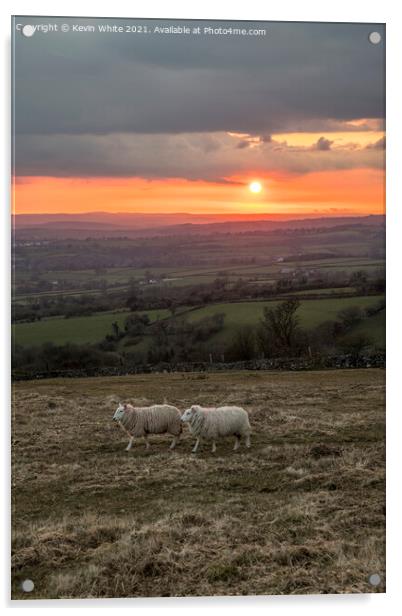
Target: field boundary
{"points": [[297, 364]]}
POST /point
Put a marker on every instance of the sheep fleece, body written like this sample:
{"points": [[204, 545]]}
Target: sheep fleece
{"points": [[157, 419], [222, 421]]}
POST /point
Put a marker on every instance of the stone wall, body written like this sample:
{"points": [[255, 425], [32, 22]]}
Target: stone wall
{"points": [[297, 364]]}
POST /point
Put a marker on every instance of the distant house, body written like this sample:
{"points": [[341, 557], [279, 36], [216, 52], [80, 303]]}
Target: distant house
{"points": [[148, 281]]}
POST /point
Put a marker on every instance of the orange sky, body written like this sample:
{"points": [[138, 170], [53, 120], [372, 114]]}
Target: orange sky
{"points": [[350, 192]]}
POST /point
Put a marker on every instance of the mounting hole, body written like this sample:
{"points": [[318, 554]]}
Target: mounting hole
{"points": [[375, 38], [375, 579], [27, 585], [28, 30]]}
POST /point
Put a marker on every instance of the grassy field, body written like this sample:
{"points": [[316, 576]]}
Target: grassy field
{"points": [[311, 313], [302, 511], [75, 330], [94, 328]]}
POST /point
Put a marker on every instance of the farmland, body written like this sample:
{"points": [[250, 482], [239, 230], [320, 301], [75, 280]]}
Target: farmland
{"points": [[173, 286], [302, 511], [118, 278], [193, 254], [79, 329], [93, 328], [311, 312]]}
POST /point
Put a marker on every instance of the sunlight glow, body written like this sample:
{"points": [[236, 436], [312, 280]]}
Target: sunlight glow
{"points": [[255, 187]]}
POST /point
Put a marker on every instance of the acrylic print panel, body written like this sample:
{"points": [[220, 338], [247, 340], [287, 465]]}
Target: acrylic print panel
{"points": [[198, 308]]}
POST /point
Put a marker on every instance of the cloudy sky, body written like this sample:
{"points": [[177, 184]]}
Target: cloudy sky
{"points": [[183, 123]]}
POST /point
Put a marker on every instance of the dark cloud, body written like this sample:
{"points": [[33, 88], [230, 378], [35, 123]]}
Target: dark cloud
{"points": [[300, 77], [101, 83], [242, 145], [173, 156], [377, 145], [322, 144]]}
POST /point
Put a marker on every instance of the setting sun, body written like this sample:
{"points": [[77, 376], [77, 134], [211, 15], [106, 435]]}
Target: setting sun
{"points": [[255, 187]]}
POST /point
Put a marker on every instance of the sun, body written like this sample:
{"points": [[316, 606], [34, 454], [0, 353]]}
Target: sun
{"points": [[255, 187]]}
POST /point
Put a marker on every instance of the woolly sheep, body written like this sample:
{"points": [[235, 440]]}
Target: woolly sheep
{"points": [[211, 423], [141, 421]]}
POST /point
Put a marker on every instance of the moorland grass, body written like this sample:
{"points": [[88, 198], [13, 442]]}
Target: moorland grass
{"points": [[302, 511]]}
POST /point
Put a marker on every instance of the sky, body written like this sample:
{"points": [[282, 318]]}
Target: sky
{"points": [[164, 123]]}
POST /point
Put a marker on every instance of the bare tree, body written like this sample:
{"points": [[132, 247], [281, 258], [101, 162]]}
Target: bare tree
{"points": [[244, 344], [350, 316], [279, 331], [116, 329]]}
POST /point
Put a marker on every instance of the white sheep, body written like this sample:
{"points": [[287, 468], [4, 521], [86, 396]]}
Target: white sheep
{"points": [[141, 421], [212, 423]]}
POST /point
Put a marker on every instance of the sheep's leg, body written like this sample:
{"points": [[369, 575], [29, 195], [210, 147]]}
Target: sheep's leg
{"points": [[130, 443], [147, 444], [237, 444], [213, 446], [174, 442], [248, 444], [197, 442]]}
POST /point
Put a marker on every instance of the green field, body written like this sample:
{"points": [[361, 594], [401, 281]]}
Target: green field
{"points": [[311, 312], [77, 330], [94, 328]]}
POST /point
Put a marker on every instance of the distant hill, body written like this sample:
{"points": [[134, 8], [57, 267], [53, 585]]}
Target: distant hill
{"points": [[103, 224]]}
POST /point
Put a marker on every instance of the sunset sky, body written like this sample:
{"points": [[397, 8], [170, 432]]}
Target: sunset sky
{"points": [[136, 123]]}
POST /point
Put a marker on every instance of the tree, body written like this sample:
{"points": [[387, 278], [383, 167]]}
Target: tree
{"points": [[244, 344], [355, 345], [172, 306], [136, 324], [351, 316], [284, 284], [359, 280], [116, 329], [279, 331], [159, 349], [132, 300], [323, 337], [220, 283]]}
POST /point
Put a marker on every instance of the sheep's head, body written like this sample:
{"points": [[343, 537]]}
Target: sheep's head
{"points": [[189, 413], [119, 412]]}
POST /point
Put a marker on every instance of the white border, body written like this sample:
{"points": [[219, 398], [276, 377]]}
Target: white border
{"points": [[292, 10]]}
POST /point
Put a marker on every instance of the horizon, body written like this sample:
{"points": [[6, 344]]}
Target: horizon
{"points": [[175, 218], [187, 213], [234, 215]]}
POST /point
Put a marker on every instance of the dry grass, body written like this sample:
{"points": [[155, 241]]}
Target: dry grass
{"points": [[303, 511]]}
